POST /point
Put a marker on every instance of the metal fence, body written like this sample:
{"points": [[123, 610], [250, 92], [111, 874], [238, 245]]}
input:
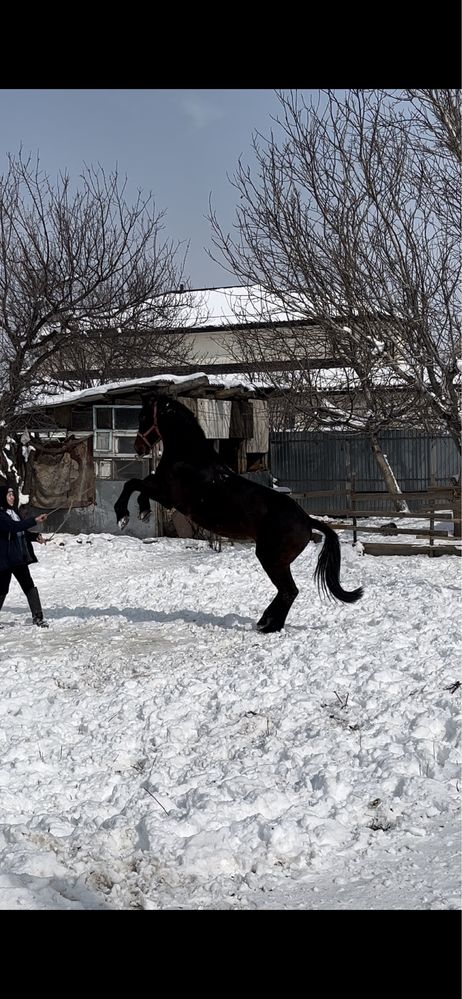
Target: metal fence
{"points": [[317, 461]]}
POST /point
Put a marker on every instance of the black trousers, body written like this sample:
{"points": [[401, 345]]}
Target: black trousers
{"points": [[23, 576]]}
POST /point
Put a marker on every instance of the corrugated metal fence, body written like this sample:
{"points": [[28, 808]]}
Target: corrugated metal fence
{"points": [[323, 461]]}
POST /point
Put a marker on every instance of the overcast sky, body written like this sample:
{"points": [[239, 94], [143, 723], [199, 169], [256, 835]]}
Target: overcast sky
{"points": [[179, 144]]}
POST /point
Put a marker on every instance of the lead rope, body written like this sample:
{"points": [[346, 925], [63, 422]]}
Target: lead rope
{"points": [[71, 507], [48, 539]]}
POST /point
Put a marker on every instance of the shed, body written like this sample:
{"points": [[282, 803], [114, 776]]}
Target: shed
{"points": [[79, 448]]}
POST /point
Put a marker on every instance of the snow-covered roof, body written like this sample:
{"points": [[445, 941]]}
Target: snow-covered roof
{"points": [[215, 307], [329, 379], [241, 384], [343, 378], [251, 304]]}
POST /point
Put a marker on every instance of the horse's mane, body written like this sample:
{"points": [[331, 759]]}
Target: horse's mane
{"points": [[186, 419]]}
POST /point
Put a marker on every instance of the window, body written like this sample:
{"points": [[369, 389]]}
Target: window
{"points": [[102, 441], [103, 417], [81, 419], [114, 435], [125, 445], [103, 468], [126, 417], [136, 469]]}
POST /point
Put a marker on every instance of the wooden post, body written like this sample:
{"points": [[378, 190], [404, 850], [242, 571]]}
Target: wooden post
{"points": [[456, 511], [432, 501], [350, 486], [348, 474], [242, 457], [433, 463], [158, 516], [432, 521], [456, 505], [353, 505]]}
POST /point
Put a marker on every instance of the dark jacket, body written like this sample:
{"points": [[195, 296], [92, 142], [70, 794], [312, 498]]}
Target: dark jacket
{"points": [[10, 550]]}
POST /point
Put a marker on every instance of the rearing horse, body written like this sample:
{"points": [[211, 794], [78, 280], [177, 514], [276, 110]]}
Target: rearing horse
{"points": [[192, 478]]}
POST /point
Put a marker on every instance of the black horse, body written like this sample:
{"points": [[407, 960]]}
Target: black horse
{"points": [[192, 478]]}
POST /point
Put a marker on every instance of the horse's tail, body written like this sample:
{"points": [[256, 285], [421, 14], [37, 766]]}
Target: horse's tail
{"points": [[327, 572]]}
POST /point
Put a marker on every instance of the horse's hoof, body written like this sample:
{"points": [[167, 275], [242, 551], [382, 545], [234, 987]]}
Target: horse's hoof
{"points": [[122, 522], [144, 515], [266, 627]]}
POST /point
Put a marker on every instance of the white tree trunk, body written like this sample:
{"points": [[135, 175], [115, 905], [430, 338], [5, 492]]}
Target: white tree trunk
{"points": [[388, 476]]}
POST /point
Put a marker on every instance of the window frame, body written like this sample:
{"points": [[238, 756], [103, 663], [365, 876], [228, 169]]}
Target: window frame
{"points": [[112, 454]]}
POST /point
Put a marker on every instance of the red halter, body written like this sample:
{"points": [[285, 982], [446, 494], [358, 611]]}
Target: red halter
{"points": [[154, 427]]}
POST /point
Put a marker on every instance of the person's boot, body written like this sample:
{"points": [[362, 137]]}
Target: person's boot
{"points": [[2, 601], [36, 608]]}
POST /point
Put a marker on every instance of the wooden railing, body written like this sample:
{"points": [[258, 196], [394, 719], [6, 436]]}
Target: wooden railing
{"points": [[448, 497]]}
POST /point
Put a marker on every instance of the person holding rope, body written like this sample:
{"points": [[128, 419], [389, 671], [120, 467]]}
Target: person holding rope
{"points": [[16, 552]]}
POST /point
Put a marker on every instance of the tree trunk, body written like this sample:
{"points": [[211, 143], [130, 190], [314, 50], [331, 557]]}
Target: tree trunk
{"points": [[388, 477]]}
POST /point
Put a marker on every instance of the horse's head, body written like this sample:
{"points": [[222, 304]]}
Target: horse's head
{"points": [[155, 412], [165, 418]]}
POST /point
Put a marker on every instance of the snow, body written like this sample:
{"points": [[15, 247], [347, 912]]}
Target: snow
{"points": [[214, 307], [323, 378], [98, 392], [157, 752], [340, 378]]}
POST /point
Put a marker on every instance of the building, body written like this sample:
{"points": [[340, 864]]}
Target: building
{"points": [[81, 451]]}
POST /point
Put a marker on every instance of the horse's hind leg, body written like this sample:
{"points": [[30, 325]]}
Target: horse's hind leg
{"points": [[276, 550], [273, 618]]}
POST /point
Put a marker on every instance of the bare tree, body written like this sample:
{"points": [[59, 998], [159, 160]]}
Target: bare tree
{"points": [[85, 285], [351, 219], [324, 383]]}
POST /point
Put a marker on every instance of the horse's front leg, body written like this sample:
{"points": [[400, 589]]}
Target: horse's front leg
{"points": [[148, 488], [144, 507], [121, 504]]}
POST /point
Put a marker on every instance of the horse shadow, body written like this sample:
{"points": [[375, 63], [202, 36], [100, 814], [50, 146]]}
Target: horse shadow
{"points": [[140, 615]]}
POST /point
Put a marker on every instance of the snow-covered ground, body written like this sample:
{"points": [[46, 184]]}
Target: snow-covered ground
{"points": [[157, 752]]}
